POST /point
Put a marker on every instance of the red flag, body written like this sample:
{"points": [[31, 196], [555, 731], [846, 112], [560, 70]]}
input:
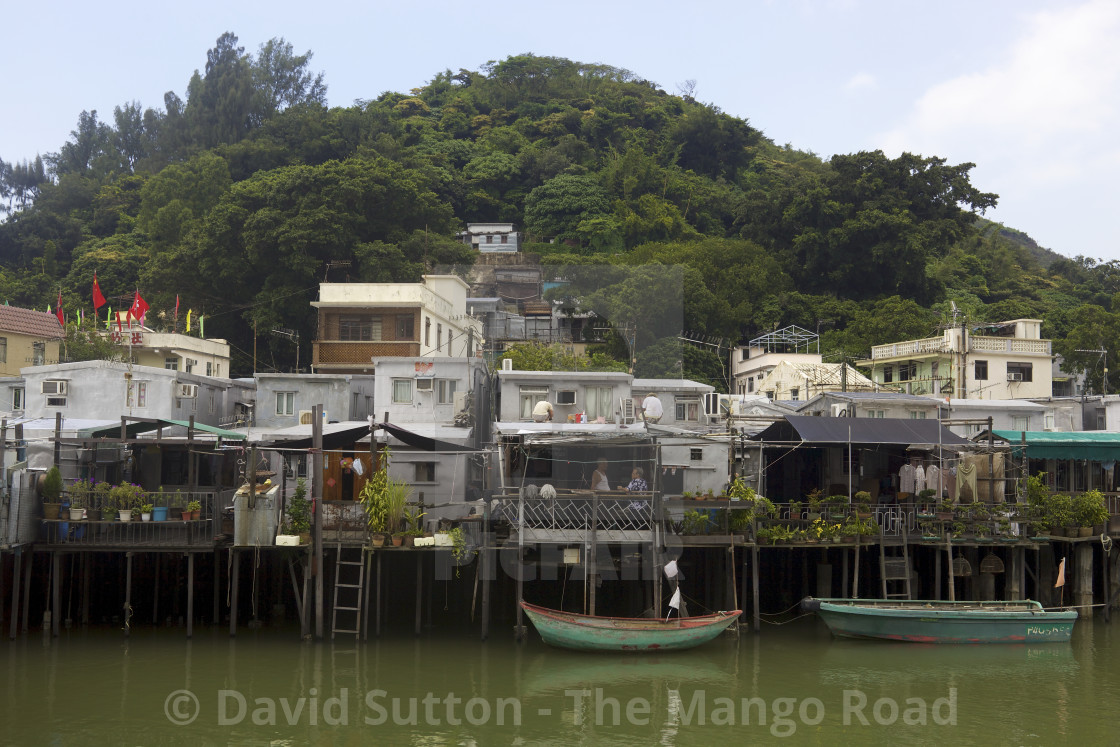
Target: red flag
{"points": [[58, 311], [176, 307], [139, 308], [98, 299]]}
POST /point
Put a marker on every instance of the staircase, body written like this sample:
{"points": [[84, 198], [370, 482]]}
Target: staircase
{"points": [[894, 568], [349, 586]]}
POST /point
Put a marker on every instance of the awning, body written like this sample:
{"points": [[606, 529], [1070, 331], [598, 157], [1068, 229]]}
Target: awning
{"points": [[145, 425], [811, 429], [424, 443], [345, 436], [1096, 446]]}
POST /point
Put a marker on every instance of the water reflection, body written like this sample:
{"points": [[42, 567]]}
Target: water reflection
{"points": [[264, 687]]}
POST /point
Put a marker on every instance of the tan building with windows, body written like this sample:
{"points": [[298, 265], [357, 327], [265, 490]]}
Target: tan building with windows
{"points": [[362, 321], [171, 350], [27, 338]]}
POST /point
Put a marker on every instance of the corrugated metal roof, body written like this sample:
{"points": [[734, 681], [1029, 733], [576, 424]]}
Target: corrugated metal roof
{"points": [[817, 430], [29, 322], [1097, 446]]}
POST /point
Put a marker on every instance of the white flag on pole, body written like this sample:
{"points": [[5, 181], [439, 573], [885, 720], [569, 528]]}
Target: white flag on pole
{"points": [[1061, 574], [675, 602], [671, 569]]}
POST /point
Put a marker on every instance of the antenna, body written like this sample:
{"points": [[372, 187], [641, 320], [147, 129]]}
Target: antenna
{"points": [[289, 334]]}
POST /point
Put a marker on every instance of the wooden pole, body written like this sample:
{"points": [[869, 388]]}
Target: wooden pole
{"points": [[190, 595], [87, 570], [56, 586], [754, 589], [593, 561], [217, 604], [127, 594], [949, 558], [27, 590], [17, 562], [317, 514], [155, 594], [235, 574], [377, 600], [57, 437], [485, 561], [419, 588]]}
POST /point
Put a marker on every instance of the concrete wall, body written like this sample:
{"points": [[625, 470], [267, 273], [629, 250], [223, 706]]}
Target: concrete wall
{"points": [[343, 396], [511, 384], [424, 405]]}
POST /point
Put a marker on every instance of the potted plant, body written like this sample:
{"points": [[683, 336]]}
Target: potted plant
{"points": [[945, 510], [928, 531], [794, 510], [375, 502], [80, 494], [694, 522], [397, 494], [838, 506], [413, 527], [299, 513], [925, 501], [159, 506], [52, 493], [764, 536], [863, 504], [813, 497], [982, 532], [958, 531], [195, 507], [1059, 513], [103, 502], [1089, 512]]}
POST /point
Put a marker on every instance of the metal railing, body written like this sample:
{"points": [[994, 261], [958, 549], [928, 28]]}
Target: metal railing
{"points": [[573, 518], [172, 532]]}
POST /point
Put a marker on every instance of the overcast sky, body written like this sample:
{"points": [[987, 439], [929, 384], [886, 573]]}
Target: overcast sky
{"points": [[1027, 90]]}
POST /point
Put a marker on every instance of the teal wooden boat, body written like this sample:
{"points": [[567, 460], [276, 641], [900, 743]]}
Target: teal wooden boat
{"points": [[935, 621], [590, 633]]}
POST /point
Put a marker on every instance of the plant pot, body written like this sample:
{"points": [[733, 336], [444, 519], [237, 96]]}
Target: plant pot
{"points": [[159, 513], [443, 539], [196, 515], [397, 540], [794, 515], [944, 515], [108, 514], [305, 538], [77, 514], [185, 515], [125, 514], [377, 540], [64, 513], [146, 517], [51, 510], [409, 540], [1084, 531]]}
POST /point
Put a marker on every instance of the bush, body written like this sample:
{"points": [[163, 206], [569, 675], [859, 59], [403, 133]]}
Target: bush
{"points": [[52, 485]]}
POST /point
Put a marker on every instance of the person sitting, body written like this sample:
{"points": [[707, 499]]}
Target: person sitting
{"points": [[652, 409], [637, 482], [599, 479], [542, 411]]}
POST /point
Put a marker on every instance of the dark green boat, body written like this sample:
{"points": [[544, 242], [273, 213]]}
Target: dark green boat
{"points": [[588, 633], [935, 621]]}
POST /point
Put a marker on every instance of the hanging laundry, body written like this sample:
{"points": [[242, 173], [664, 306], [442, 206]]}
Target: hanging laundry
{"points": [[906, 479], [919, 479]]}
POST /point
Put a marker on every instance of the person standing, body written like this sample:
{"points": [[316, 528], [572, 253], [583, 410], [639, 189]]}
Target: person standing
{"points": [[542, 411], [651, 408]]}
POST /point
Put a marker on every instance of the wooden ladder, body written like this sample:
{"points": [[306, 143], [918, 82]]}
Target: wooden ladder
{"points": [[349, 585], [895, 570]]}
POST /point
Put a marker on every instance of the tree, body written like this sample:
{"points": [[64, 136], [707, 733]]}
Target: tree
{"points": [[556, 208], [282, 80]]}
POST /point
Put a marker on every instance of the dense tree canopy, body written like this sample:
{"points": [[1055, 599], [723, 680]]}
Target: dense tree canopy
{"points": [[666, 214]]}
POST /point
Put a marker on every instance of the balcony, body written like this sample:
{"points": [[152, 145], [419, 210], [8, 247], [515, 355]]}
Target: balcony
{"points": [[1009, 345], [911, 348], [328, 353]]}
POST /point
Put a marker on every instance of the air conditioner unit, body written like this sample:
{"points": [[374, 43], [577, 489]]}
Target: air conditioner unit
{"points": [[1014, 376], [566, 397], [507, 364], [839, 410], [54, 386], [460, 401], [305, 417], [424, 385], [186, 391]]}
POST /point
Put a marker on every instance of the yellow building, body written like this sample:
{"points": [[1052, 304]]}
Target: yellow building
{"points": [[171, 350], [27, 338]]}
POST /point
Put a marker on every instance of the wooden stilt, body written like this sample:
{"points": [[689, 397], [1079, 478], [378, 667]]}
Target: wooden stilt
{"points": [[365, 603], [155, 594], [56, 596], [754, 589], [305, 616], [190, 595], [87, 571], [419, 588], [949, 569], [234, 578], [17, 561], [2, 589], [936, 575], [1083, 580], [217, 586], [855, 571], [377, 601], [844, 571], [127, 594], [27, 590], [1104, 577], [486, 559]]}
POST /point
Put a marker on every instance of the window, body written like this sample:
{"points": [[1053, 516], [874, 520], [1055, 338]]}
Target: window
{"points": [[171, 364], [1019, 372], [428, 332], [285, 403], [794, 394], [3, 349], [1020, 422], [907, 371], [56, 402], [445, 391], [402, 391], [598, 402], [917, 415], [505, 239], [876, 413], [696, 454], [425, 472], [750, 384], [405, 327], [211, 401], [888, 374], [439, 337], [39, 355], [217, 369], [17, 398], [209, 368], [530, 396], [191, 363], [980, 370], [359, 328], [137, 394], [687, 409]]}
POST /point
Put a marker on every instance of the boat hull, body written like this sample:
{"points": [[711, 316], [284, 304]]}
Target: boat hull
{"points": [[588, 633], [944, 622]]}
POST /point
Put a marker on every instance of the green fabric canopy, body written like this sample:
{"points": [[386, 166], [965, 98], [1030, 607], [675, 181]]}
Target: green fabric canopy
{"points": [[1096, 446]]}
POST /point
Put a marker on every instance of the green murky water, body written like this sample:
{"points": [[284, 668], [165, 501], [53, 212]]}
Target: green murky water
{"points": [[793, 684]]}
